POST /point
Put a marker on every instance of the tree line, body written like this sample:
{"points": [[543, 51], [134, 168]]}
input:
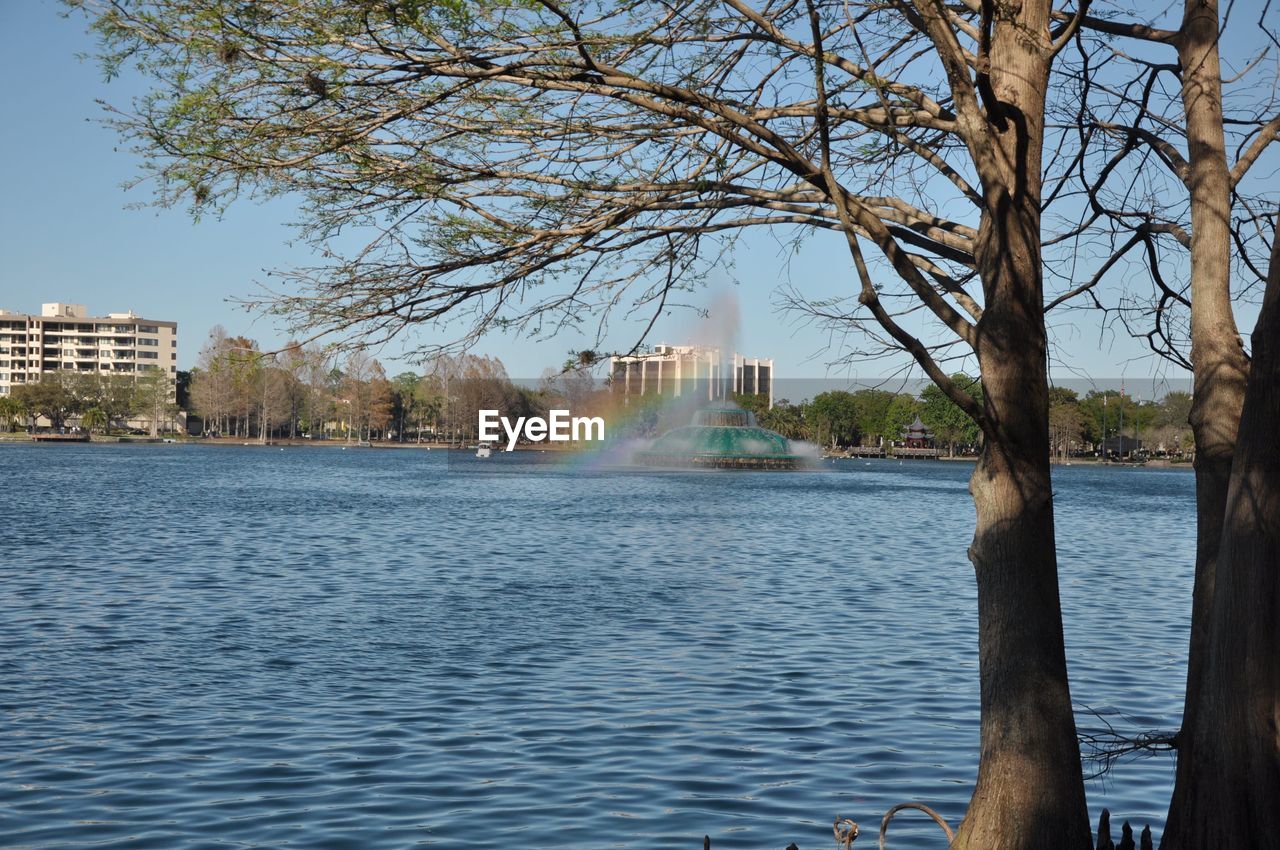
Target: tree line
{"points": [[314, 392], [1160, 426], [1077, 424], [239, 390], [92, 401], [870, 417]]}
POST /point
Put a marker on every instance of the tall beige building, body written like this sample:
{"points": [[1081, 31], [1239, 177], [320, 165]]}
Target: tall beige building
{"points": [[64, 337], [684, 370]]}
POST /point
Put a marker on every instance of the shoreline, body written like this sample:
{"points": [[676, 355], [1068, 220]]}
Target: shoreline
{"points": [[22, 437], [137, 439], [1158, 463]]}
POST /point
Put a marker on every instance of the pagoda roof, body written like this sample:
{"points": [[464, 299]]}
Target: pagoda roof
{"points": [[917, 427]]}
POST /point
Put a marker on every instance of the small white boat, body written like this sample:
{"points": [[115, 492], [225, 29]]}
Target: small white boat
{"points": [[483, 451]]}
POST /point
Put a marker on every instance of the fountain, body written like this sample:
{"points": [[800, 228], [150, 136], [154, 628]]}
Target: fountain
{"points": [[722, 436]]}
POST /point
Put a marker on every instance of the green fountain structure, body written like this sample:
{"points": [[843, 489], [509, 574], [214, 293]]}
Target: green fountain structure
{"points": [[722, 436]]}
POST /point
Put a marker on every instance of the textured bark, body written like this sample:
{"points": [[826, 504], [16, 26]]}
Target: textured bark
{"points": [[1220, 366], [1230, 794], [1029, 792]]}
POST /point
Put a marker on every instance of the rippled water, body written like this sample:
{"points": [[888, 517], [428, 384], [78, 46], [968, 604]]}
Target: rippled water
{"points": [[212, 647]]}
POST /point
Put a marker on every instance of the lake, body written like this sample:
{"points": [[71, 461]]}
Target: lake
{"points": [[216, 647]]}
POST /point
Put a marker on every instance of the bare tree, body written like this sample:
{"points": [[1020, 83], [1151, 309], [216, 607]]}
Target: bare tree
{"points": [[1065, 427], [274, 391], [364, 398], [1195, 200], [519, 164], [242, 360], [155, 398], [293, 359], [1228, 795], [211, 388], [475, 383], [319, 401], [381, 404]]}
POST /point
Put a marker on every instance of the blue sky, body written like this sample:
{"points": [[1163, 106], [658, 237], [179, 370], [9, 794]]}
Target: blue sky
{"points": [[70, 232]]}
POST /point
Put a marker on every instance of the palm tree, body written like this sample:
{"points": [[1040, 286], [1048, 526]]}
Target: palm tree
{"points": [[94, 418], [11, 410]]}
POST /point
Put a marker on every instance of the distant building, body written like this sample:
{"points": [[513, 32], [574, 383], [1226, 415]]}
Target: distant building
{"points": [[917, 436], [1121, 446], [65, 338], [691, 370]]}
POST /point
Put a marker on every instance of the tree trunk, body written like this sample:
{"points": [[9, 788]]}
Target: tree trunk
{"points": [[1220, 366], [1030, 789], [1228, 795]]}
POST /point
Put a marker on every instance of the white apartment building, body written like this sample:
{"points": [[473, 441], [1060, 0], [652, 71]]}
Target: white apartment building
{"points": [[682, 370], [64, 337]]}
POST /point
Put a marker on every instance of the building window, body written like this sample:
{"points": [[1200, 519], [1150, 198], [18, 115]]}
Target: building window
{"points": [[148, 329], [142, 340]]}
